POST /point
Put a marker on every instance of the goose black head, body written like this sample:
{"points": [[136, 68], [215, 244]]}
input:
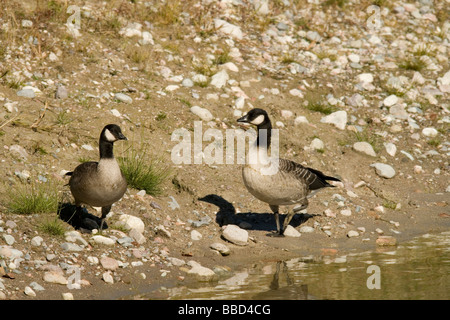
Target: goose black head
{"points": [[257, 117], [112, 133]]}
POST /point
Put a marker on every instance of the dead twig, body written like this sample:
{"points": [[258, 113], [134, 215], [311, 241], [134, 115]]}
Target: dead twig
{"points": [[39, 119]]}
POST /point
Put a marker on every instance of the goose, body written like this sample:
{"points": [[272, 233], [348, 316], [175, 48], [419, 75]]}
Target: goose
{"points": [[102, 183], [291, 184]]}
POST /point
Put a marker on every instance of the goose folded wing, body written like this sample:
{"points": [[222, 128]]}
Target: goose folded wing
{"points": [[315, 179]]}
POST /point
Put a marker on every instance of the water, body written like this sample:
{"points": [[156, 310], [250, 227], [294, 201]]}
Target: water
{"points": [[418, 269]]}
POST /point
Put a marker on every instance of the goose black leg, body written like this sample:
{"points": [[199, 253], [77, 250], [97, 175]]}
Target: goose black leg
{"points": [[275, 210], [105, 211]]}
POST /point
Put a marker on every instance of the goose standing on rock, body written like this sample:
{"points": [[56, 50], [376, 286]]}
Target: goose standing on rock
{"points": [[290, 184], [100, 184]]}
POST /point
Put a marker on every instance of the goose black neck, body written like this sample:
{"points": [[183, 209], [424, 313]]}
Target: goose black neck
{"points": [[106, 149], [267, 131]]}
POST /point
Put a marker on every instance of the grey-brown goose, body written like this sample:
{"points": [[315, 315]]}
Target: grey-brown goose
{"points": [[100, 184], [290, 185]]}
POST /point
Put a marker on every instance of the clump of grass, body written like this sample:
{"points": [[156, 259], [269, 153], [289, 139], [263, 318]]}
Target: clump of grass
{"points": [[54, 227], [142, 171], [34, 198], [63, 118], [137, 54], [205, 69], [434, 142], [287, 59], [223, 57], [413, 63], [321, 107], [169, 12], [161, 116], [389, 204]]}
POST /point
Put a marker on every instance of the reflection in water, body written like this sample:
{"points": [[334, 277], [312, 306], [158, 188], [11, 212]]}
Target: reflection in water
{"points": [[419, 269]]}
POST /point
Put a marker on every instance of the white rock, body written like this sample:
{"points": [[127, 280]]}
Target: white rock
{"points": [[317, 144], [239, 103], [172, 87], [195, 235], [9, 239], [306, 229], [103, 240], [107, 277], [365, 77], [346, 212], [29, 292], [391, 148], [27, 23], [87, 147], [230, 66], [296, 93], [220, 247], [261, 6], [338, 118], [384, 170], [228, 29], [291, 232], [353, 58], [286, 114], [200, 78], [68, 246], [390, 101], [123, 97], [67, 296], [352, 233], [146, 38], [203, 113], [19, 151], [36, 241], [115, 113], [202, 273], [235, 235], [430, 132], [131, 222], [188, 83], [364, 147], [132, 29], [300, 120], [137, 236], [219, 79], [52, 57]]}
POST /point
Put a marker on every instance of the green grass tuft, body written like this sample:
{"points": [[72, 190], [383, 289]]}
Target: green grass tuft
{"points": [[142, 171], [53, 227], [34, 198]]}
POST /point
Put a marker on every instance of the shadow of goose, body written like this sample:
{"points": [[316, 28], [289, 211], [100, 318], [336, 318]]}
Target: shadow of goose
{"points": [[83, 221], [259, 221]]}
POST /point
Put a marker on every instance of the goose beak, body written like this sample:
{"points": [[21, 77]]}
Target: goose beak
{"points": [[243, 119], [122, 137]]}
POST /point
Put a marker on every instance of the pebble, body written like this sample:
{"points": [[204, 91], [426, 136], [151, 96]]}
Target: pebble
{"points": [[300, 120], [68, 246], [9, 239], [306, 229], [187, 83], [61, 92], [29, 292], [37, 241], [200, 272], [290, 231], [67, 296], [391, 148], [317, 144], [109, 263], [221, 248], [364, 147], [430, 132], [386, 241], [352, 234], [235, 235], [122, 97], [27, 93], [228, 29], [390, 101], [202, 113], [107, 277], [346, 212], [195, 235], [55, 277], [219, 79], [338, 119], [103, 240], [384, 170], [137, 236], [130, 222]]}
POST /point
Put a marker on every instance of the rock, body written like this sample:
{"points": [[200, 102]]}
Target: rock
{"points": [[109, 263], [187, 83], [36, 241], [68, 246], [107, 277], [137, 236], [391, 149], [130, 222], [75, 236], [176, 262], [352, 234], [317, 144], [146, 38], [27, 93], [346, 212], [313, 36], [306, 229], [55, 277], [386, 241], [300, 120], [290, 231], [364, 147], [18, 151], [203, 113], [261, 6], [200, 272], [122, 97], [67, 296], [390, 101], [430, 132], [61, 92], [9, 239], [399, 112], [235, 235], [219, 79], [338, 118], [29, 292], [132, 29], [161, 230], [221, 248], [228, 29], [36, 286], [99, 239], [384, 170], [195, 235], [286, 114], [365, 78], [296, 93]]}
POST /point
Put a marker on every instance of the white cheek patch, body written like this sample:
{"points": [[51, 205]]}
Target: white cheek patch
{"points": [[258, 120], [109, 136]]}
